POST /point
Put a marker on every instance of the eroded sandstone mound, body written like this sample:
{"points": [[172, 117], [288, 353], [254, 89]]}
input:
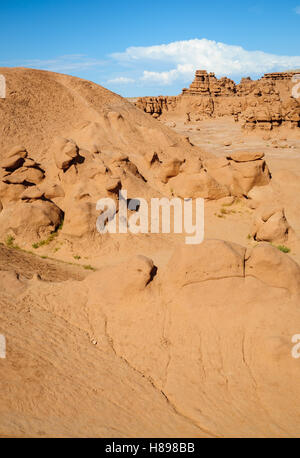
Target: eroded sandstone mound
{"points": [[67, 165], [204, 345]]}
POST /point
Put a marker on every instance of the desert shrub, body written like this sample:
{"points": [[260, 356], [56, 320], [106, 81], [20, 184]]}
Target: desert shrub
{"points": [[9, 241], [283, 248], [89, 267]]}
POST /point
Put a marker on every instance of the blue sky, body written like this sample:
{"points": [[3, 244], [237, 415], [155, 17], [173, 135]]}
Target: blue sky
{"points": [[150, 47]]}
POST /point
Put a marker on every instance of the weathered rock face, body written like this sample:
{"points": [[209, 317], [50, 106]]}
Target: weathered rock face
{"points": [[272, 267], [156, 105], [268, 115], [201, 263], [270, 225], [30, 219], [279, 76], [18, 173], [65, 152], [264, 104], [239, 172], [207, 84], [198, 185], [27, 209]]}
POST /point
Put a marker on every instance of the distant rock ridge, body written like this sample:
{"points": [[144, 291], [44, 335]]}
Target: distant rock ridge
{"points": [[276, 76], [266, 104]]}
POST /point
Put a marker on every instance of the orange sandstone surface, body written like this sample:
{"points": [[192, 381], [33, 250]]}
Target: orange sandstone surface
{"points": [[142, 335]]}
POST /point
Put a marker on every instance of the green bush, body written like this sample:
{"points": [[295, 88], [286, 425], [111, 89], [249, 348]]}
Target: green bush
{"points": [[89, 267], [283, 248], [10, 241]]}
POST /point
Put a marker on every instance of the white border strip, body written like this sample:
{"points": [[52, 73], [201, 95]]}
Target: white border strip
{"points": [[2, 87], [2, 346]]}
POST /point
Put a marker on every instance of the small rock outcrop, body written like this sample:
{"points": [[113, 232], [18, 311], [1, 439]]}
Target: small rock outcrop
{"points": [[271, 225], [240, 171], [27, 209]]}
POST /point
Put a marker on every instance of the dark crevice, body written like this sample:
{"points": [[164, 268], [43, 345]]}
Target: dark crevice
{"points": [[153, 274], [76, 160], [24, 183], [117, 189], [16, 167], [155, 158]]}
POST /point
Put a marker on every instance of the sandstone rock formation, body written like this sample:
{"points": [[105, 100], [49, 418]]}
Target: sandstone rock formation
{"points": [[207, 84], [198, 185], [240, 172], [134, 335], [95, 159], [271, 225], [264, 104]]}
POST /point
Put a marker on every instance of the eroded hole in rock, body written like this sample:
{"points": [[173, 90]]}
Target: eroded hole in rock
{"points": [[155, 158], [153, 274]]}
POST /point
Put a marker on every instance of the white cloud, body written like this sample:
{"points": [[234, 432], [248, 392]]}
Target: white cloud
{"points": [[184, 57], [121, 80], [297, 10], [167, 77], [66, 63]]}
